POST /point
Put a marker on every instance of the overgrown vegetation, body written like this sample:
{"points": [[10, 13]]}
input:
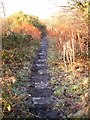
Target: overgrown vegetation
{"points": [[21, 36], [68, 60], [69, 86]]}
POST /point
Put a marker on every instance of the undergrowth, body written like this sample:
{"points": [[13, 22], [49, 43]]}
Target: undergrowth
{"points": [[70, 84], [17, 57]]}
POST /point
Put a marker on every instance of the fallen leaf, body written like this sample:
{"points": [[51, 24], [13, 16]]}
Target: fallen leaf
{"points": [[9, 107]]}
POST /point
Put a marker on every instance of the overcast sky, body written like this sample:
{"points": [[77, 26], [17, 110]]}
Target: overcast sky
{"points": [[40, 8]]}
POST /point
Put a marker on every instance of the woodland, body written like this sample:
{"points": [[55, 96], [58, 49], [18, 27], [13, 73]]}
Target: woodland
{"points": [[67, 58]]}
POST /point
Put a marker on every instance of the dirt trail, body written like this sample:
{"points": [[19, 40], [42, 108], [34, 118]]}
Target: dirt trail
{"points": [[42, 95]]}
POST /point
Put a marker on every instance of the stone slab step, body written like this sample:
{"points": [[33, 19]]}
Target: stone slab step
{"points": [[39, 65], [42, 53], [42, 85], [44, 112], [39, 92], [39, 78], [41, 60], [42, 100], [42, 56], [41, 71]]}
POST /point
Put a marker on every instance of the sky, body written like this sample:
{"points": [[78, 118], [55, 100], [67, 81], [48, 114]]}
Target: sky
{"points": [[40, 8]]}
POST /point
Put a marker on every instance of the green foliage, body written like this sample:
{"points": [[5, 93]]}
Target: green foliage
{"points": [[18, 50], [16, 20], [42, 28], [17, 54], [15, 59], [14, 40], [71, 86], [82, 7]]}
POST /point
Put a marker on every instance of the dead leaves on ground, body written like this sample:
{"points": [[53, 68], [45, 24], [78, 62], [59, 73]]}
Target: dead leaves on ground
{"points": [[70, 86]]}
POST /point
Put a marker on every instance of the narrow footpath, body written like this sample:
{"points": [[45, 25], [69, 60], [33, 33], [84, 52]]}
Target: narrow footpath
{"points": [[42, 95]]}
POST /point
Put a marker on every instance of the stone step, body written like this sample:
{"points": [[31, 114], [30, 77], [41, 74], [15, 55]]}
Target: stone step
{"points": [[41, 92], [42, 71], [41, 85], [40, 78], [41, 60], [42, 100], [42, 53], [43, 49], [40, 65], [42, 56], [45, 112], [43, 46], [38, 92], [39, 69]]}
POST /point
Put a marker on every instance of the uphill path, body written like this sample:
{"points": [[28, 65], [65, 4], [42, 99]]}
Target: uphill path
{"points": [[43, 100]]}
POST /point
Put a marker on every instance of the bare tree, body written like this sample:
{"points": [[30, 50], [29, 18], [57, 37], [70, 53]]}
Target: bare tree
{"points": [[2, 8]]}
